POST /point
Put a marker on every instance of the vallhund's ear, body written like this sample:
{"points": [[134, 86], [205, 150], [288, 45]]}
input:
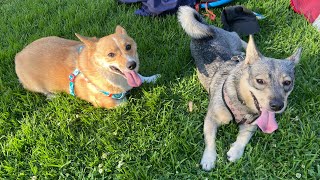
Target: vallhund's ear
{"points": [[252, 52], [295, 57]]}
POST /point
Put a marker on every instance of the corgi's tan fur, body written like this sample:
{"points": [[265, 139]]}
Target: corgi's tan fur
{"points": [[45, 65]]}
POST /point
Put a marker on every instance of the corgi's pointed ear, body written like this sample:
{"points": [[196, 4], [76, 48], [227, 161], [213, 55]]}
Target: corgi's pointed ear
{"points": [[88, 41], [252, 53], [295, 57], [120, 30]]}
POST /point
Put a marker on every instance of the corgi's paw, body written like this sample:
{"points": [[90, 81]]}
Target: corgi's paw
{"points": [[150, 79], [50, 96], [235, 152], [208, 160], [155, 77]]}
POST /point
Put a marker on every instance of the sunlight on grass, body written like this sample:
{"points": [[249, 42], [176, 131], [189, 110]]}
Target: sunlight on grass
{"points": [[153, 136]]}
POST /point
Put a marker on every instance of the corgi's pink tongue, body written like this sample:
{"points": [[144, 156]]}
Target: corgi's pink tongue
{"points": [[133, 79], [267, 121]]}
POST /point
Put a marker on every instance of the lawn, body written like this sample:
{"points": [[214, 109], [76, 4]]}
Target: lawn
{"points": [[153, 136]]}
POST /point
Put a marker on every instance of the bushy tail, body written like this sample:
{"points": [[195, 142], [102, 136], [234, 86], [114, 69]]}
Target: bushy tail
{"points": [[192, 22]]}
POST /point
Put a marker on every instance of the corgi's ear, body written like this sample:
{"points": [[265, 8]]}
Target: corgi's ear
{"points": [[90, 42], [252, 53], [295, 57], [120, 30]]}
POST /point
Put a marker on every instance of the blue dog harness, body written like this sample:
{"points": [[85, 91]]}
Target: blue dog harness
{"points": [[76, 72], [72, 77]]}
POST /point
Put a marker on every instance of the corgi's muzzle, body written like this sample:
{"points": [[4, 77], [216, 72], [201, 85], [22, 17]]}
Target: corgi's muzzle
{"points": [[131, 65], [133, 79], [116, 70]]}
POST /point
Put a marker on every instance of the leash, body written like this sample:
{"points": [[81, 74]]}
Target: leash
{"points": [[209, 13], [76, 72]]}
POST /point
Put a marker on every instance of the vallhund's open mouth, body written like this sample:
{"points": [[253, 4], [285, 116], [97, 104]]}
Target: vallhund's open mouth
{"points": [[116, 70]]}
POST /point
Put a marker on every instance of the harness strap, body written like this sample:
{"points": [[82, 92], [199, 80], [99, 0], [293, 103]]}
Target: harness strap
{"points": [[236, 115], [114, 96], [72, 78], [224, 101]]}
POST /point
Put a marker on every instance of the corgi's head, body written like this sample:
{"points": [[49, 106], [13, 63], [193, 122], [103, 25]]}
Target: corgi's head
{"points": [[115, 54]]}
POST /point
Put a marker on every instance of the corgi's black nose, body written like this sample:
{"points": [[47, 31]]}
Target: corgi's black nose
{"points": [[131, 65], [276, 105]]}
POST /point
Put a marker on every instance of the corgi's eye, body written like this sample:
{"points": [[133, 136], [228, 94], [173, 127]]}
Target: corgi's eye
{"points": [[128, 47], [286, 83], [111, 54], [260, 81]]}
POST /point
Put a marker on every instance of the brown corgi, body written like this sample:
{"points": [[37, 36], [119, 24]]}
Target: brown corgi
{"points": [[99, 71]]}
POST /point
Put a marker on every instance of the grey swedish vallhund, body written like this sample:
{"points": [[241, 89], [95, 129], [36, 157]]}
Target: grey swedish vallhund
{"points": [[249, 90]]}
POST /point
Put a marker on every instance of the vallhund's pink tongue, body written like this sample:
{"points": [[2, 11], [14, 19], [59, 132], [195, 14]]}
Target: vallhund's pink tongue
{"points": [[133, 79], [267, 121]]}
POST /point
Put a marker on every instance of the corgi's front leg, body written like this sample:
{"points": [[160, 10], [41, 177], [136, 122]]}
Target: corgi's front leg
{"points": [[149, 79]]}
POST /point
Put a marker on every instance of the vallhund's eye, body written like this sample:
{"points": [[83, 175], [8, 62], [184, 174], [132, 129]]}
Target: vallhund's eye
{"points": [[286, 83], [128, 47], [111, 54], [260, 81]]}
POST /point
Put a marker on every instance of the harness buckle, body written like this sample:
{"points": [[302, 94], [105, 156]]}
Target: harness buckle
{"points": [[72, 77]]}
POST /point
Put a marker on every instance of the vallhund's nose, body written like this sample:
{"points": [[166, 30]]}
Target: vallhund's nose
{"points": [[131, 65], [276, 104]]}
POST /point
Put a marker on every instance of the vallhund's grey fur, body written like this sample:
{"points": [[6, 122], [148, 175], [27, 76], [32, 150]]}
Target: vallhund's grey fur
{"points": [[249, 90]]}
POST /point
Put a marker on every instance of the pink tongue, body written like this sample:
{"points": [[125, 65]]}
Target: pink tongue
{"points": [[267, 121], [133, 79]]}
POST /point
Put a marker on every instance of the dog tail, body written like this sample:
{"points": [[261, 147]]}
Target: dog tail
{"points": [[192, 22]]}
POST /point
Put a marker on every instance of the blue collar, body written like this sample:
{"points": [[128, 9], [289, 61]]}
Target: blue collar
{"points": [[76, 72]]}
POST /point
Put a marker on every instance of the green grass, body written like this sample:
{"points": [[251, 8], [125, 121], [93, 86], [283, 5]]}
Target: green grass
{"points": [[153, 136]]}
